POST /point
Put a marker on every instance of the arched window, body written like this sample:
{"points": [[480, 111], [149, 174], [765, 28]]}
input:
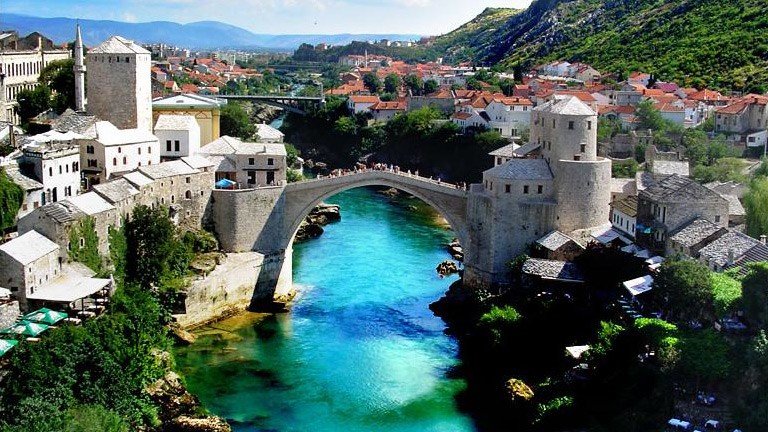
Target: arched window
{"points": [[114, 161], [188, 195], [125, 160]]}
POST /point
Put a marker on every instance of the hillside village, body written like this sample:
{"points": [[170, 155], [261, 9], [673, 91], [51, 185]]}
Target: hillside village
{"points": [[556, 189]]}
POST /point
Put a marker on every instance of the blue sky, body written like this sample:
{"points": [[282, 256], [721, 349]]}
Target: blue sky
{"points": [[277, 16]]}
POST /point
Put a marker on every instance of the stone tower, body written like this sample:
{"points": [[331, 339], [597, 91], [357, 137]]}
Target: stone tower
{"points": [[564, 187], [119, 84], [79, 70]]}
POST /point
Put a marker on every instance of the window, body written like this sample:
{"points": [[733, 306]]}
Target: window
{"points": [[119, 149], [540, 189], [583, 148], [168, 145], [251, 177], [589, 125], [61, 170], [139, 150], [525, 189], [188, 195], [127, 60], [270, 161], [570, 125], [176, 145], [50, 171], [125, 160], [114, 161], [90, 149], [188, 180], [507, 188], [717, 219], [498, 161], [251, 161], [553, 123]]}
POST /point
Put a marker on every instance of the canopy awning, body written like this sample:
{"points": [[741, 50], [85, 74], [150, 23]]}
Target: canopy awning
{"points": [[69, 288], [225, 184], [639, 285], [6, 345], [45, 316], [26, 328]]}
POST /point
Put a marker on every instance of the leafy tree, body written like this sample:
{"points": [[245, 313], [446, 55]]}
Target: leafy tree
{"points": [[430, 86], [497, 323], [293, 175], [11, 197], [755, 294], [624, 169], [683, 288], [59, 76], [33, 102], [153, 249], [372, 82], [648, 117], [607, 129], [414, 84], [724, 169], [392, 83], [726, 294], [756, 205], [762, 170], [117, 252], [705, 356], [235, 121]]}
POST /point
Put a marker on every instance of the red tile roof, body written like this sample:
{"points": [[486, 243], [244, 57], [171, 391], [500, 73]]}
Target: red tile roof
{"points": [[356, 99]]}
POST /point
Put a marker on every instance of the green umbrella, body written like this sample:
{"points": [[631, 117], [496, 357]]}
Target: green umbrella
{"points": [[6, 345], [26, 328], [45, 316]]}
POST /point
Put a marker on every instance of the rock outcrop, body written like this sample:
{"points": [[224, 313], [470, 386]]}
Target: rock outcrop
{"points": [[180, 410], [312, 226], [456, 251], [446, 268]]}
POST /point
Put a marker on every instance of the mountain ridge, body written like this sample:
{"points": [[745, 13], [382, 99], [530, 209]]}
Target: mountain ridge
{"points": [[195, 35], [696, 42]]}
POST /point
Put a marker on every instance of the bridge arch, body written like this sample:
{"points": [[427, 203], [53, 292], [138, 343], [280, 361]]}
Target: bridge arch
{"points": [[449, 201]]}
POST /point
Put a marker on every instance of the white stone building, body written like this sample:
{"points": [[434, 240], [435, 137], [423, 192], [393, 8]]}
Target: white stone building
{"points": [[268, 134], [179, 135], [119, 85], [21, 61], [510, 116], [115, 151], [251, 165], [56, 165], [27, 263]]}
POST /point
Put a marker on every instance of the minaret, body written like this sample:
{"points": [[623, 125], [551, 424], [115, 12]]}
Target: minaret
{"points": [[79, 69]]}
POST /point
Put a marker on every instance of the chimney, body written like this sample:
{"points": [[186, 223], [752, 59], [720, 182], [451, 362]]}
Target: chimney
{"points": [[730, 256], [763, 239]]}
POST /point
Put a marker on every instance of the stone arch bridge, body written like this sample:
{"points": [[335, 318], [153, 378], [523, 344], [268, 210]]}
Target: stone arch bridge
{"points": [[266, 219]]}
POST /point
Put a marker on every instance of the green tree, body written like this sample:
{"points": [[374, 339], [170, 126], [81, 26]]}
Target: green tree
{"points": [[755, 294], [59, 76], [372, 82], [726, 294], [683, 288], [33, 102], [756, 205], [392, 83], [498, 323], [235, 121], [648, 117], [430, 86], [705, 356], [11, 197], [414, 84], [154, 251]]}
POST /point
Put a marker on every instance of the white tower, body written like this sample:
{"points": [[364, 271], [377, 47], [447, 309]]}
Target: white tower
{"points": [[79, 69]]}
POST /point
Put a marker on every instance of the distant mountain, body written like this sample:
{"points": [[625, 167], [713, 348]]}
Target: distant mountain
{"points": [[696, 42], [198, 35]]}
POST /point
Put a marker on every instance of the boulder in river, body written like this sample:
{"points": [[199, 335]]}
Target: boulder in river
{"points": [[518, 390], [446, 268], [312, 226], [203, 424], [391, 192]]}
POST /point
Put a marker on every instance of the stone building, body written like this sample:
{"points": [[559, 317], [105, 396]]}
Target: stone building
{"points": [[114, 151], [56, 165], [670, 204], [21, 61], [119, 86], [27, 263], [251, 165], [179, 135], [205, 110], [566, 188]]}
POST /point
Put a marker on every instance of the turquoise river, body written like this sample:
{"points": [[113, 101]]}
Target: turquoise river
{"points": [[359, 351]]}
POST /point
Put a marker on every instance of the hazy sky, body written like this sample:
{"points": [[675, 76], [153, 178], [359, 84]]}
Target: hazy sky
{"points": [[277, 16]]}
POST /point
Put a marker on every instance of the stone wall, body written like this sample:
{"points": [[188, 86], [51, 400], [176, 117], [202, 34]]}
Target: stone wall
{"points": [[228, 288], [129, 83], [583, 194], [248, 219]]}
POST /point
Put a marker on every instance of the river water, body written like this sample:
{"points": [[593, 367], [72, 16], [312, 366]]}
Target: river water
{"points": [[360, 350]]}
